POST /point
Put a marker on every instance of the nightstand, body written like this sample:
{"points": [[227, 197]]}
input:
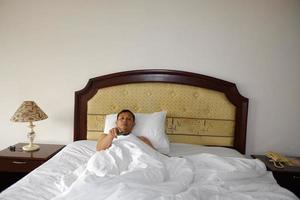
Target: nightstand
{"points": [[287, 177], [16, 164]]}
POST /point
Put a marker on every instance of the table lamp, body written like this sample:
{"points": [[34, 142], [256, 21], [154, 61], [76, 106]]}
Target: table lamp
{"points": [[29, 112]]}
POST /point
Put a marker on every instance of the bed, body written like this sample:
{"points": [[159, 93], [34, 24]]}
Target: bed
{"points": [[203, 120]]}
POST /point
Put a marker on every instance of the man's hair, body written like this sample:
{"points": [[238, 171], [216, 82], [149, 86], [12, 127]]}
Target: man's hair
{"points": [[126, 111]]}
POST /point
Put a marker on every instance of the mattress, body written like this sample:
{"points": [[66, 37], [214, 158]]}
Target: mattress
{"points": [[57, 175]]}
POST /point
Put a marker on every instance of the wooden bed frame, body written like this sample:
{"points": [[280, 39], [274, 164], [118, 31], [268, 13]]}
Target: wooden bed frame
{"points": [[162, 76]]}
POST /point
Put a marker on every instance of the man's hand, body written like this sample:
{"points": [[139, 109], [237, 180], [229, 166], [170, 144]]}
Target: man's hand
{"points": [[113, 133], [105, 140]]}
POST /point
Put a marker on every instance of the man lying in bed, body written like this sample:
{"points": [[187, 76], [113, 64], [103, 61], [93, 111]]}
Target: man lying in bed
{"points": [[125, 123]]}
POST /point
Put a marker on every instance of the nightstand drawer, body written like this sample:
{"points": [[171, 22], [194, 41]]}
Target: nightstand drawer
{"points": [[18, 165], [287, 177], [291, 181]]}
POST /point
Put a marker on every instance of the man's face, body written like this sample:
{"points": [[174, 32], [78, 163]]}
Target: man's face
{"points": [[125, 122]]}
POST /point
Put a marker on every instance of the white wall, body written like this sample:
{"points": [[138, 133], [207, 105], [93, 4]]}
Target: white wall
{"points": [[49, 49]]}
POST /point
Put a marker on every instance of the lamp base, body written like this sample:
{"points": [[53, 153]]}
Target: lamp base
{"points": [[33, 147]]}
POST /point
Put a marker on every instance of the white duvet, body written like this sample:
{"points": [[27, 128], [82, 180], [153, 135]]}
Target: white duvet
{"points": [[130, 169]]}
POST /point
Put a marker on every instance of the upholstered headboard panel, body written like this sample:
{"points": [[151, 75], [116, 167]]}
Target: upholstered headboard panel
{"points": [[200, 109], [194, 115]]}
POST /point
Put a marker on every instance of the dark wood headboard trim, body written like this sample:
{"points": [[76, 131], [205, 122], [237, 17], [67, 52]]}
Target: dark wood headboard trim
{"points": [[165, 76]]}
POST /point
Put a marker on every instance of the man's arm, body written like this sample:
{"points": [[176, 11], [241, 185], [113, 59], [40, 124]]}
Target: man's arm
{"points": [[146, 140], [105, 140]]}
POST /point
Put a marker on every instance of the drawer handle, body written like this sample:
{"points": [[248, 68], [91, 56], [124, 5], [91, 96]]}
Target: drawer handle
{"points": [[19, 162], [296, 177]]}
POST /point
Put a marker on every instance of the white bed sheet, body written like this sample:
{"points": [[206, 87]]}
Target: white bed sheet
{"points": [[45, 182], [42, 182], [179, 149]]}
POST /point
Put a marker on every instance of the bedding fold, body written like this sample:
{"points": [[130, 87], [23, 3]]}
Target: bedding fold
{"points": [[130, 169]]}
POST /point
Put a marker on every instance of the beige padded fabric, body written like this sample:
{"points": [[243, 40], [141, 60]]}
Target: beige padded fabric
{"points": [[194, 115]]}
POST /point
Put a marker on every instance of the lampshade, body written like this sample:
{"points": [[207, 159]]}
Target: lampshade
{"points": [[28, 112]]}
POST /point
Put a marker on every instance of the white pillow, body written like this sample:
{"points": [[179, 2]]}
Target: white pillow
{"points": [[150, 125]]}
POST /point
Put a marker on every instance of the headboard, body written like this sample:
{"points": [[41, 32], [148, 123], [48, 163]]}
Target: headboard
{"points": [[200, 109]]}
